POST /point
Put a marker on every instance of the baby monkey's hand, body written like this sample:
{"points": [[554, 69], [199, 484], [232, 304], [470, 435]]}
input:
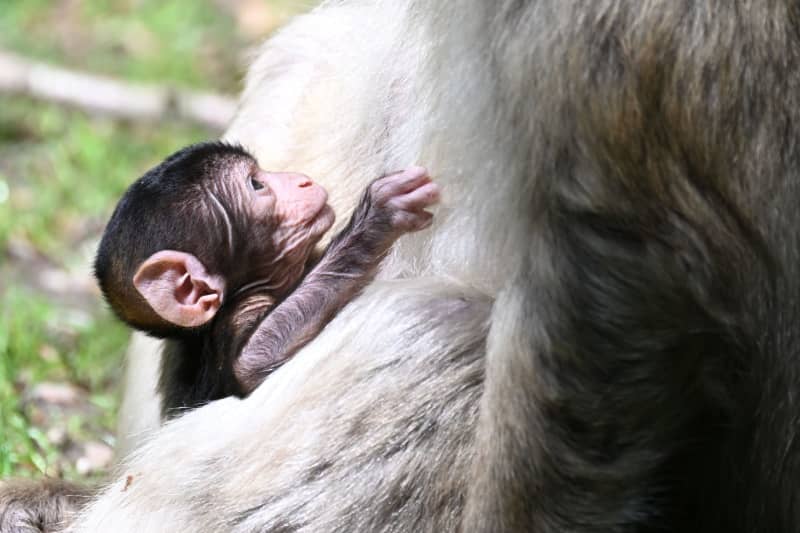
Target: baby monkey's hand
{"points": [[399, 199], [391, 206]]}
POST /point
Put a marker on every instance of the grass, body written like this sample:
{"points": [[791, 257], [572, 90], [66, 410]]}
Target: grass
{"points": [[85, 353], [186, 41], [61, 172]]}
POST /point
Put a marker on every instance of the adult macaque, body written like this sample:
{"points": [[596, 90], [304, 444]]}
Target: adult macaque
{"points": [[601, 331], [233, 289]]}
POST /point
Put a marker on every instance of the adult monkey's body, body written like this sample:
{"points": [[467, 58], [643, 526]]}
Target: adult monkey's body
{"points": [[631, 362]]}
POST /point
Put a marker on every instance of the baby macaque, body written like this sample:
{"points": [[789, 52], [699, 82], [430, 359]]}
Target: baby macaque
{"points": [[214, 254]]}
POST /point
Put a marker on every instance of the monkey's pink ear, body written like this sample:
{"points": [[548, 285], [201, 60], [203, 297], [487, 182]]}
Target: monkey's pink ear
{"points": [[178, 288]]}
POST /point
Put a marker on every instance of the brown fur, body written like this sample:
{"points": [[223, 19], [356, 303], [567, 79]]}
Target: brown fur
{"points": [[39, 506]]}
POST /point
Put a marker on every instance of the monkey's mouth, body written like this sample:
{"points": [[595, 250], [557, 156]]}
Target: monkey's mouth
{"points": [[324, 218], [321, 200]]}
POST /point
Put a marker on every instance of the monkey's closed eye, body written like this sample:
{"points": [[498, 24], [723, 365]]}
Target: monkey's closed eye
{"points": [[255, 184]]}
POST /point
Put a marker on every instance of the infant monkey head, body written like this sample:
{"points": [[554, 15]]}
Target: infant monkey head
{"points": [[201, 226]]}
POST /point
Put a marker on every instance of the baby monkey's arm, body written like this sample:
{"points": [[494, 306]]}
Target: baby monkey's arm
{"points": [[392, 205]]}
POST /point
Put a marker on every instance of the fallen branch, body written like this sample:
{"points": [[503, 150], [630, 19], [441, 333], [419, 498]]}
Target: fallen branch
{"points": [[107, 96]]}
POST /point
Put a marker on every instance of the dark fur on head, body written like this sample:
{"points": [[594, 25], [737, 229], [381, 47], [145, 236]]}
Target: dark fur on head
{"points": [[168, 209]]}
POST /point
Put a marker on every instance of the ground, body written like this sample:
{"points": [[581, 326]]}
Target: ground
{"points": [[61, 171]]}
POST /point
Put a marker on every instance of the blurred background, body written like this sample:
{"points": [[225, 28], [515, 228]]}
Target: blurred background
{"points": [[92, 94]]}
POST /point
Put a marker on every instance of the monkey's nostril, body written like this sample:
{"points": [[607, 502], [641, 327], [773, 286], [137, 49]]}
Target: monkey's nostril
{"points": [[305, 183]]}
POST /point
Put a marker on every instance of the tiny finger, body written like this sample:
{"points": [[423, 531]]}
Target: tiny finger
{"points": [[403, 182], [426, 195]]}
